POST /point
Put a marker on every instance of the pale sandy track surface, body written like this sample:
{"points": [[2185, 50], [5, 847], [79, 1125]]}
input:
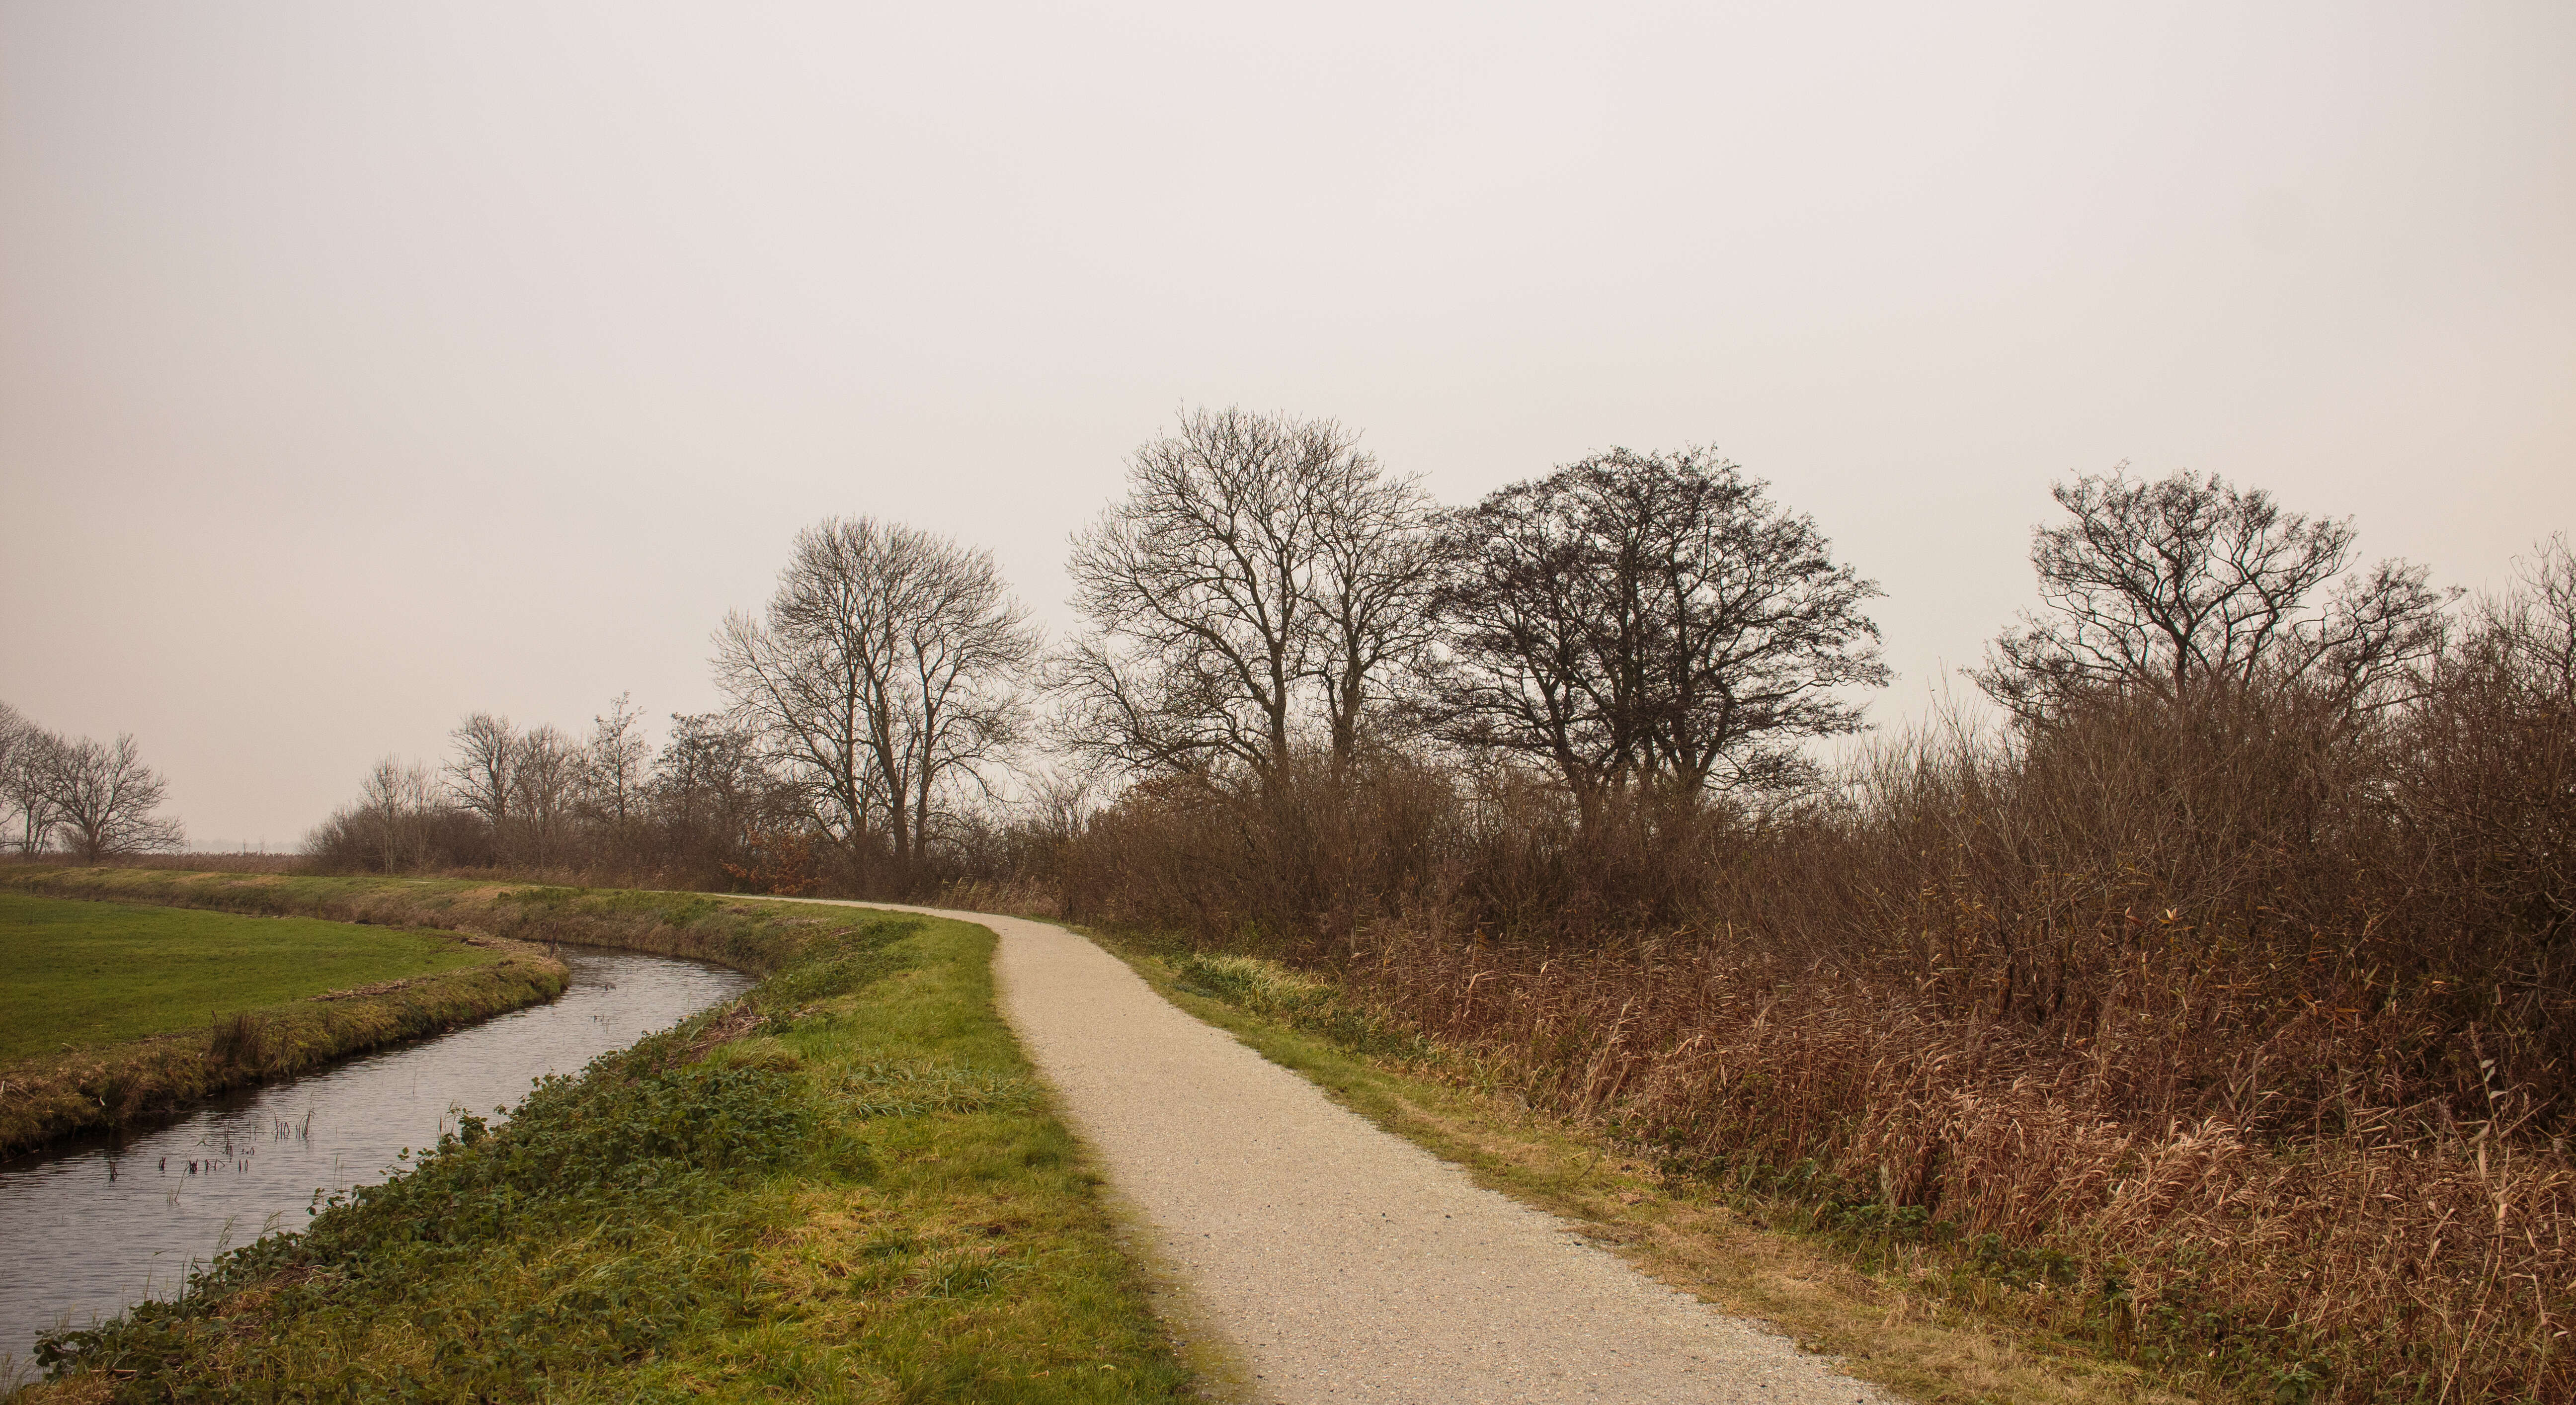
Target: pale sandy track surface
{"points": [[1341, 1262]]}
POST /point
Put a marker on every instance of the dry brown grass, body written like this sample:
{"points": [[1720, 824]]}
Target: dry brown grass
{"points": [[2391, 1261], [2240, 1031], [1899, 1316]]}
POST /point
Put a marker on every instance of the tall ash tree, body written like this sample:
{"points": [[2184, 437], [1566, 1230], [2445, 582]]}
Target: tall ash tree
{"points": [[2188, 582], [885, 675], [1648, 621], [1263, 579]]}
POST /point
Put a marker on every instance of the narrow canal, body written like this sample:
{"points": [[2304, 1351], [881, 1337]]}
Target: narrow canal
{"points": [[91, 1226]]}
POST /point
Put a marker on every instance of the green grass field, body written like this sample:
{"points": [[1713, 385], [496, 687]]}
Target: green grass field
{"points": [[91, 973]]}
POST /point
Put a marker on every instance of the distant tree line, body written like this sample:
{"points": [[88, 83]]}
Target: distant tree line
{"points": [[538, 800], [94, 800], [873, 700], [1264, 590], [1636, 629]]}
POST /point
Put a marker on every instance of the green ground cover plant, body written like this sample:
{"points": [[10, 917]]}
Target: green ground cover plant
{"points": [[845, 1186], [83, 973]]}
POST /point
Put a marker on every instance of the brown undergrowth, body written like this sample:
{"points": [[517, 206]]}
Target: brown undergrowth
{"points": [[2375, 1260], [2235, 1033], [1901, 1312]]}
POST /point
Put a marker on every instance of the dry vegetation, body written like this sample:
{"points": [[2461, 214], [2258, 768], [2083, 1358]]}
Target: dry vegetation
{"points": [[2230, 1030], [1899, 1311]]}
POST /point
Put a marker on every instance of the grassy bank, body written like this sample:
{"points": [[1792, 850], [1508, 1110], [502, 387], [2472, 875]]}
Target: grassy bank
{"points": [[747, 936], [110, 1012], [98, 973], [845, 1186]]}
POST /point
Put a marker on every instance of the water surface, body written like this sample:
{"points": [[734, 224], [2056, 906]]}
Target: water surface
{"points": [[91, 1226]]}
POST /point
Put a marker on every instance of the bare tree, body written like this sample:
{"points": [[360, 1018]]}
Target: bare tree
{"points": [[1376, 571], [958, 700], [885, 670], [484, 772], [2188, 581], [523, 784], [546, 778], [1649, 618], [2533, 624], [104, 797], [27, 758], [613, 761], [712, 788], [1262, 571], [399, 804]]}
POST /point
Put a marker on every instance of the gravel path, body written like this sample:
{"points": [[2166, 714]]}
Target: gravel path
{"points": [[1345, 1263]]}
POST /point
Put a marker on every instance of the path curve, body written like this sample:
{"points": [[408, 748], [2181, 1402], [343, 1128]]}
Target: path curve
{"points": [[1343, 1262]]}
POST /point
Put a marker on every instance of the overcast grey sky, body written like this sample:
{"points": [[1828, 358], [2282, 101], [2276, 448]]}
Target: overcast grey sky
{"points": [[361, 365]]}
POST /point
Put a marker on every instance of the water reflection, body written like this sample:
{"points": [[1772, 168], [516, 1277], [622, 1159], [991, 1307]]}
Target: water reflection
{"points": [[92, 1226]]}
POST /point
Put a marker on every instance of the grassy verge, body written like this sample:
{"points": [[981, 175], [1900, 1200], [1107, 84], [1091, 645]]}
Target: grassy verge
{"points": [[844, 1187], [110, 1012], [1931, 1322]]}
